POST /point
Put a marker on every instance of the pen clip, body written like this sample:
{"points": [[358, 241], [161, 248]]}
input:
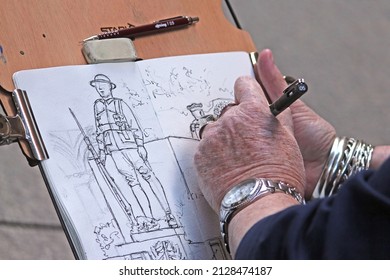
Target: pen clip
{"points": [[297, 87], [172, 18], [295, 90]]}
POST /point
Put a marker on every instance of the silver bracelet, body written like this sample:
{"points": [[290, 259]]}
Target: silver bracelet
{"points": [[347, 157]]}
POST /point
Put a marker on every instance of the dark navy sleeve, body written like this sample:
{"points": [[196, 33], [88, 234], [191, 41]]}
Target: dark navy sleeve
{"points": [[353, 224]]}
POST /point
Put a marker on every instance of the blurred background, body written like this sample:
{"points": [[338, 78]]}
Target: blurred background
{"points": [[341, 49]]}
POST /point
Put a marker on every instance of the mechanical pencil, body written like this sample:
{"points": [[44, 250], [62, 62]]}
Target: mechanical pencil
{"points": [[295, 90], [155, 27]]}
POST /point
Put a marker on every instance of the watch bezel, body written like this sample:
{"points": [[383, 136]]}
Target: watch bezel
{"points": [[255, 189]]}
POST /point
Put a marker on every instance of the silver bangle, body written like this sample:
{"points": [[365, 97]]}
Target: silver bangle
{"points": [[347, 157]]}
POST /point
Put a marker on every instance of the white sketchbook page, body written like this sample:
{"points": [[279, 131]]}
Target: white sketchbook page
{"points": [[181, 89], [176, 82], [104, 228], [96, 216]]}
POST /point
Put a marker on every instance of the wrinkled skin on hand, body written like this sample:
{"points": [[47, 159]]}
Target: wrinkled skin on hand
{"points": [[313, 134], [247, 141]]}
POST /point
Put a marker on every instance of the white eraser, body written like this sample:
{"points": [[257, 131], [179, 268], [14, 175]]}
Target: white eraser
{"points": [[109, 50]]}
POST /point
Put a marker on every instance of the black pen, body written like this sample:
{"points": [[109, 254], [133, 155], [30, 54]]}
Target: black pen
{"points": [[155, 27], [295, 90]]}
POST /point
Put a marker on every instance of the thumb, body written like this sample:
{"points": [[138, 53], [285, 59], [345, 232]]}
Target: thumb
{"points": [[270, 75], [274, 84]]}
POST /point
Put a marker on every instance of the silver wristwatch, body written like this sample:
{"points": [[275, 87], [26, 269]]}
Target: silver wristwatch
{"points": [[246, 193]]}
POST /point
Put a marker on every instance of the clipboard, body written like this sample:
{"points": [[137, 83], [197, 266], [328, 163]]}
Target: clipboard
{"points": [[213, 25], [18, 124], [117, 163]]}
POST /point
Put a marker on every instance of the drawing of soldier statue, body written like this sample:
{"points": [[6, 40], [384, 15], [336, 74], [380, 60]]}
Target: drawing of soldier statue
{"points": [[120, 137]]}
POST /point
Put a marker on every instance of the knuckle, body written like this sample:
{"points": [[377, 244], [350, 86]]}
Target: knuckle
{"points": [[242, 83]]}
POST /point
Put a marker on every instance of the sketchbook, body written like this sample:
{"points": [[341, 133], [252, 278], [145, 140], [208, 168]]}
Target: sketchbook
{"points": [[121, 139]]}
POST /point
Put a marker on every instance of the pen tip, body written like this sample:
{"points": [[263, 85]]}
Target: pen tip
{"points": [[90, 39], [195, 19]]}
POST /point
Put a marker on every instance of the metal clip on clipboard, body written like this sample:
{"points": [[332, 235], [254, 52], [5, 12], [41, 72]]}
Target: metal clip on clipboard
{"points": [[18, 125]]}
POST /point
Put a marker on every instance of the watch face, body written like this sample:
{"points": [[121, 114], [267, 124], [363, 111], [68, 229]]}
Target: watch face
{"points": [[239, 193]]}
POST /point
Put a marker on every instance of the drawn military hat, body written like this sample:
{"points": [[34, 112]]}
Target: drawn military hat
{"points": [[101, 78]]}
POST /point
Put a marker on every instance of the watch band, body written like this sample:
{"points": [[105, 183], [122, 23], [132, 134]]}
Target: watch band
{"points": [[263, 187]]}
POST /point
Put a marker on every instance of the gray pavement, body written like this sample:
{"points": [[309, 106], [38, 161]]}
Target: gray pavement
{"points": [[339, 47]]}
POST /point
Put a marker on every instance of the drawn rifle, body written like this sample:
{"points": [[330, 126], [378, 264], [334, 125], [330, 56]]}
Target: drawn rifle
{"points": [[126, 207]]}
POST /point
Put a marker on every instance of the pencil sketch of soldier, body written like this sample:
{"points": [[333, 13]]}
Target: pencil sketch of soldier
{"points": [[120, 137]]}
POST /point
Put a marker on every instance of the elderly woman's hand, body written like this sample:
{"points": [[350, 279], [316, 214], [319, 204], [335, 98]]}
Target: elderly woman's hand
{"points": [[313, 134], [247, 141]]}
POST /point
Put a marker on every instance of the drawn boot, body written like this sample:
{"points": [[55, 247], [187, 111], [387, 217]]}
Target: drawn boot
{"points": [[171, 220], [146, 224], [153, 224]]}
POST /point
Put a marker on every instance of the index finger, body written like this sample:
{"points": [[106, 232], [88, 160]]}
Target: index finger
{"points": [[248, 90], [251, 98]]}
